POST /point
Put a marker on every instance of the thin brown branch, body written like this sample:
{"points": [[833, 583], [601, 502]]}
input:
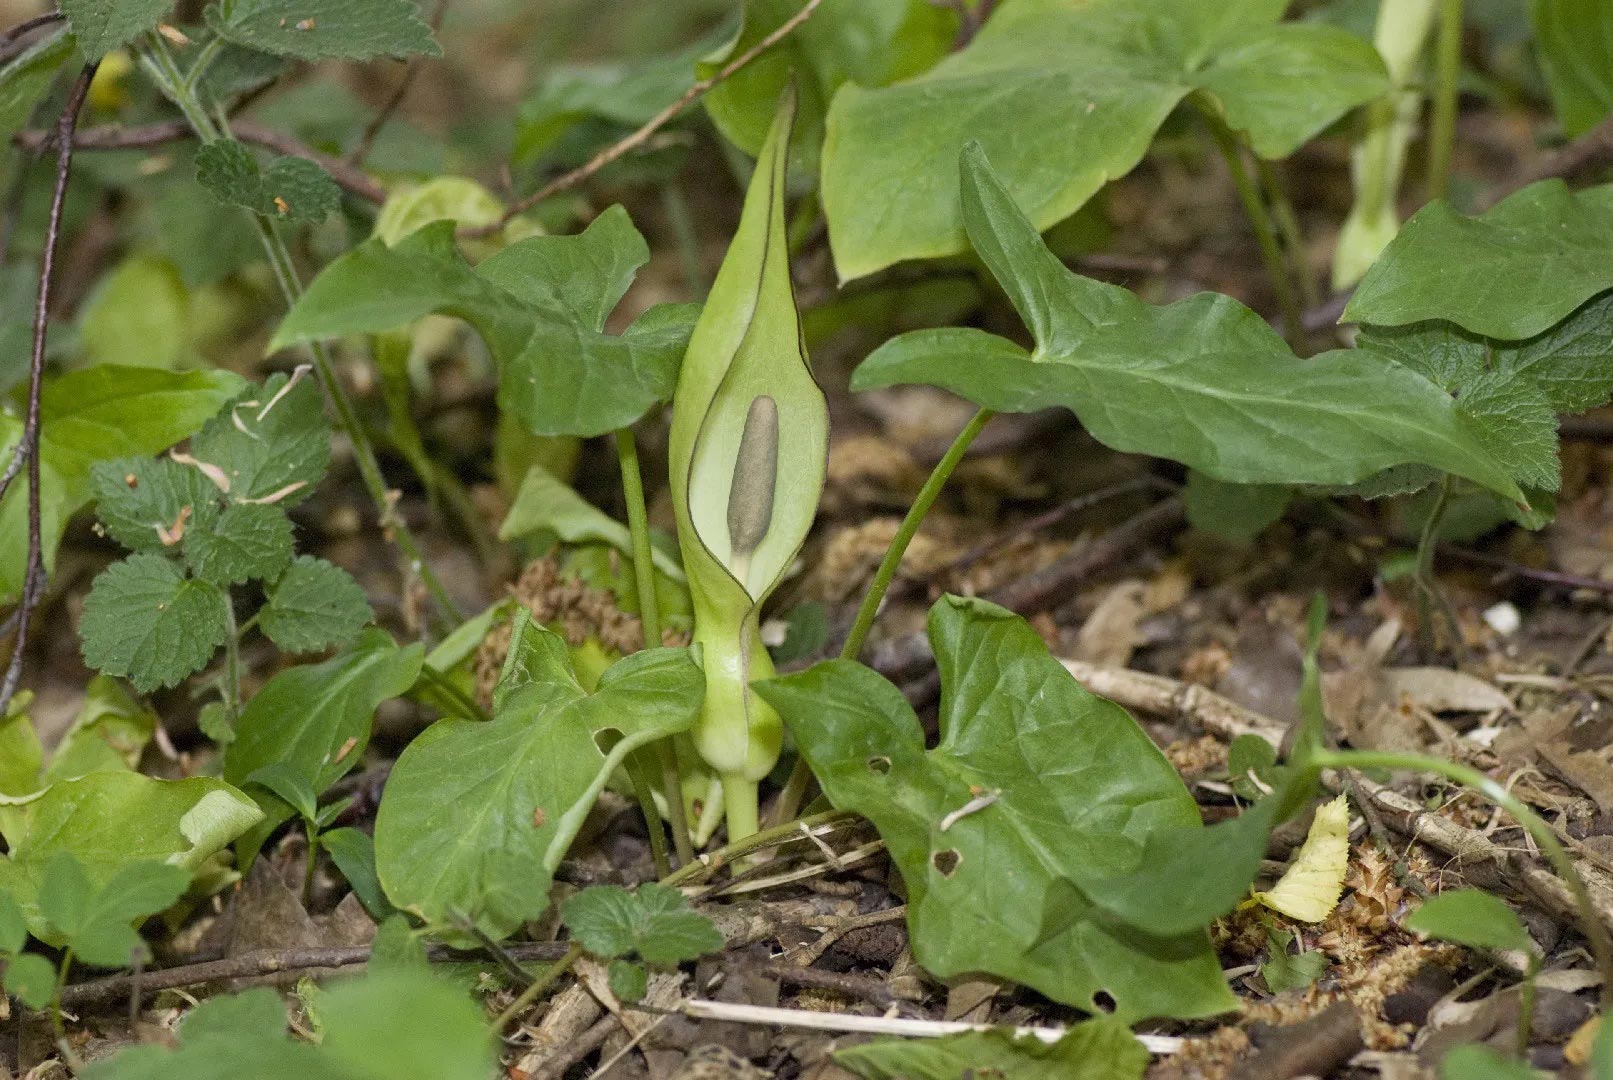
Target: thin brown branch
{"points": [[11, 43], [411, 72], [27, 450], [147, 136], [567, 181], [261, 964]]}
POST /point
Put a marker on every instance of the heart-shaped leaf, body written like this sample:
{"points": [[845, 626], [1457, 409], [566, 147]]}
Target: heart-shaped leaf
{"points": [[540, 305], [1204, 380], [520, 785], [1104, 75], [1036, 786]]}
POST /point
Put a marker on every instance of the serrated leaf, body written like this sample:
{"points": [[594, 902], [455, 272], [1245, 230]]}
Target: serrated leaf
{"points": [[1204, 381], [866, 42], [1471, 917], [152, 504], [25, 79], [316, 719], [523, 782], [544, 503], [326, 29], [1575, 42], [1511, 272], [1104, 75], [108, 820], [31, 979], [313, 606], [271, 442], [538, 304], [1310, 888], [144, 620], [1095, 1050], [291, 188], [97, 414], [98, 923], [99, 26], [655, 924], [246, 542], [1036, 787]]}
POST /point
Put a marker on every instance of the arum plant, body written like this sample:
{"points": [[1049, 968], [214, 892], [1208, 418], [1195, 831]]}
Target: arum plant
{"points": [[745, 396]]}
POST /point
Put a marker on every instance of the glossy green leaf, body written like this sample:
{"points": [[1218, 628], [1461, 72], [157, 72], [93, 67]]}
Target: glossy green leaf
{"points": [[654, 923], [545, 504], [1471, 917], [314, 605], [522, 784], [98, 924], [730, 470], [1036, 788], [99, 26], [1096, 1050], [272, 442], [108, 820], [1204, 381], [97, 414], [866, 42], [1104, 75], [145, 620], [290, 188], [353, 852], [25, 79], [329, 29], [290, 786], [1511, 272], [246, 542], [1575, 41], [316, 719], [540, 305]]}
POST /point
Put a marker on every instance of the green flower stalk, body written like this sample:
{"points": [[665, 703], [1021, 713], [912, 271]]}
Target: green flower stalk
{"points": [[749, 446]]}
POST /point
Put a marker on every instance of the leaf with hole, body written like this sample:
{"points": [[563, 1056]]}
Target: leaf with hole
{"points": [[540, 305], [1104, 75], [1036, 788], [523, 783], [1204, 381]]}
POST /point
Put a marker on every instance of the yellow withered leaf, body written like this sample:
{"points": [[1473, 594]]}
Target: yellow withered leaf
{"points": [[1310, 888]]}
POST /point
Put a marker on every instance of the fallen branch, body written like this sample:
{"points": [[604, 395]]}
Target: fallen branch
{"points": [[348, 176], [569, 180], [26, 453]]}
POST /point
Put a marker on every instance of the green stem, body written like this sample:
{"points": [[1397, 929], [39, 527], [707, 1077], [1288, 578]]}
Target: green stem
{"points": [[232, 664], [1596, 935], [311, 831], [1447, 74], [788, 803], [638, 773], [904, 535], [1429, 596], [159, 63], [1526, 1006], [1265, 232], [1293, 238], [649, 613], [56, 996], [441, 683], [773, 836], [544, 980]]}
